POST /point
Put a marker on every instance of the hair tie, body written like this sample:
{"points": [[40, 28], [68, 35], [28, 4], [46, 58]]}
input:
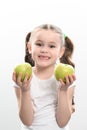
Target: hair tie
{"points": [[64, 36]]}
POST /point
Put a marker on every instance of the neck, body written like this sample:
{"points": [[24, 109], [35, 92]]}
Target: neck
{"points": [[44, 73]]}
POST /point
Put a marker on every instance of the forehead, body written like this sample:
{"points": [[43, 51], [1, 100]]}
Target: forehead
{"points": [[42, 34]]}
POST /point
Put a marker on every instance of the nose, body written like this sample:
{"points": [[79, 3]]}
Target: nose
{"points": [[44, 49]]}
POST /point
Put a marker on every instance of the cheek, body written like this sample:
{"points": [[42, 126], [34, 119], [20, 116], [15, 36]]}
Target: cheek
{"points": [[33, 49], [34, 52], [57, 53], [57, 57]]}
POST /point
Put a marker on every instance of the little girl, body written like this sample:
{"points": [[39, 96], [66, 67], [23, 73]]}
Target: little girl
{"points": [[45, 103]]}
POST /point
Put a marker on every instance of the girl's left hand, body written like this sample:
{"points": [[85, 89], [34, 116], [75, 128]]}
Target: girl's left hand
{"points": [[68, 81]]}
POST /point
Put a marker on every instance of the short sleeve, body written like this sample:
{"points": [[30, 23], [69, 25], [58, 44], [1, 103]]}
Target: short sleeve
{"points": [[15, 86], [73, 84]]}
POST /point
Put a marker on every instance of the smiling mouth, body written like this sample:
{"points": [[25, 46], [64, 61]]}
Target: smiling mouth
{"points": [[44, 57]]}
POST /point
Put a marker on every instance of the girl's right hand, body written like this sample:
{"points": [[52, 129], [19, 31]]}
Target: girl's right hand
{"points": [[25, 84]]}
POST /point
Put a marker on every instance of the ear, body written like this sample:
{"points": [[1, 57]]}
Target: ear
{"points": [[29, 47], [62, 50]]}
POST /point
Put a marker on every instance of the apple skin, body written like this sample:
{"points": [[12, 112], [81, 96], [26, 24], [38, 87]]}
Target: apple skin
{"points": [[61, 70], [23, 68]]}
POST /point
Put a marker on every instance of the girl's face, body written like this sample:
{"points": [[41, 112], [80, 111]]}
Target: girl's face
{"points": [[45, 47]]}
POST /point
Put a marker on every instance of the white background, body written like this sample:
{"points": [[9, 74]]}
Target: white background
{"points": [[17, 18]]}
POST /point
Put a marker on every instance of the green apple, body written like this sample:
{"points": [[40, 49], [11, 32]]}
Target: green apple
{"points": [[24, 68], [61, 70]]}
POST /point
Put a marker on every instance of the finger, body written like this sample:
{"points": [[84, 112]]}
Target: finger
{"points": [[61, 82], [67, 80], [74, 77], [18, 80], [14, 76], [26, 78], [30, 78], [25, 81], [71, 78], [62, 85]]}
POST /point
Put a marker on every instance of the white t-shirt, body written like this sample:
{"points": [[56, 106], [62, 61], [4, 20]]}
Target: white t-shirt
{"points": [[44, 100]]}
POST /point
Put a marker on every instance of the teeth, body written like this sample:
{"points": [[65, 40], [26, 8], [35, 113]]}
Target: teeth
{"points": [[44, 57]]}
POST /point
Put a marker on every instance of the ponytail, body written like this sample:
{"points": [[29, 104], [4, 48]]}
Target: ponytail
{"points": [[67, 56], [28, 57], [67, 59]]}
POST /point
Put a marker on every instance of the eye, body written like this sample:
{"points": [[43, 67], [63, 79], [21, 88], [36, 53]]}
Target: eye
{"points": [[38, 44], [52, 46]]}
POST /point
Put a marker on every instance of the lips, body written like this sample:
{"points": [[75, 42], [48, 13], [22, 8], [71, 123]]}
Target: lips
{"points": [[44, 57]]}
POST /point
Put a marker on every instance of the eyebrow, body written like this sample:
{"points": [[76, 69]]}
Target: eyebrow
{"points": [[52, 42], [38, 41]]}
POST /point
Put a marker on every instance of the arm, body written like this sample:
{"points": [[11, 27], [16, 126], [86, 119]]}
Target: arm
{"points": [[64, 108], [26, 113]]}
